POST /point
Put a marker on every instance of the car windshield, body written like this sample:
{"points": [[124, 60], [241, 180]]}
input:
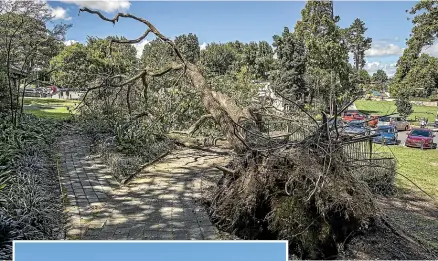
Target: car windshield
{"points": [[355, 124], [422, 133], [384, 119], [385, 130]]}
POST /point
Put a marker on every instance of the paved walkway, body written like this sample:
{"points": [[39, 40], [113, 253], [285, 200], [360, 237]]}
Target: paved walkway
{"points": [[161, 203]]}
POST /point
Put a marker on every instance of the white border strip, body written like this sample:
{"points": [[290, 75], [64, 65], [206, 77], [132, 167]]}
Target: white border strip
{"points": [[150, 241]]}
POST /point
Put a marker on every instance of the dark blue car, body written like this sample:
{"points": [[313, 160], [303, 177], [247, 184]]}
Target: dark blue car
{"points": [[386, 134]]}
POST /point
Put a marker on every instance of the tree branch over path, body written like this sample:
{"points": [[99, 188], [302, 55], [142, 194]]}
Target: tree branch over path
{"points": [[227, 114]]}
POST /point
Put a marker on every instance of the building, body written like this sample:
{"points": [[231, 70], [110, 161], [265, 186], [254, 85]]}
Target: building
{"points": [[266, 93]]}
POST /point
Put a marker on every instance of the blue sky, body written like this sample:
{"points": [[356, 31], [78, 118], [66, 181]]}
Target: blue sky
{"points": [[244, 21], [193, 251]]}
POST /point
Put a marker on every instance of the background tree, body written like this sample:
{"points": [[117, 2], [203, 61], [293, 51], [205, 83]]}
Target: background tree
{"points": [[26, 45], [218, 58], [357, 43], [379, 76], [289, 80], [189, 46], [327, 63], [404, 106], [264, 62], [424, 33]]}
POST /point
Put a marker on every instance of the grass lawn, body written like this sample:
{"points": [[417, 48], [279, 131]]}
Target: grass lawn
{"points": [[420, 166], [49, 108], [388, 107]]}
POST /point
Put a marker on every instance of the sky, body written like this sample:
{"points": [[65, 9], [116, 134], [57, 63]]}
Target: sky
{"points": [[245, 21], [156, 251]]}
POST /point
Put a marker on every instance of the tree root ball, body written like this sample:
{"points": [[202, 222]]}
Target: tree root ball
{"points": [[293, 194]]}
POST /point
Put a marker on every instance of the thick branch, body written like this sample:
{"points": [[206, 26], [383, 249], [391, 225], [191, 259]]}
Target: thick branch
{"points": [[198, 124]]}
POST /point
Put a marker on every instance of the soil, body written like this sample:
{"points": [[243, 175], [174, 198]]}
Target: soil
{"points": [[413, 231], [409, 229]]}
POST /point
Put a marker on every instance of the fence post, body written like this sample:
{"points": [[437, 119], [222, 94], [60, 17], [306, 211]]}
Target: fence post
{"points": [[371, 149]]}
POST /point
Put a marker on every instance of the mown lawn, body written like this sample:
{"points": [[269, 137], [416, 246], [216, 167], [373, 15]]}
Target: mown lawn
{"points": [[420, 166], [388, 107], [49, 108]]}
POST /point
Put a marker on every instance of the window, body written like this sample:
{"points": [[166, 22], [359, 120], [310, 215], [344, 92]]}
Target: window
{"points": [[422, 133]]}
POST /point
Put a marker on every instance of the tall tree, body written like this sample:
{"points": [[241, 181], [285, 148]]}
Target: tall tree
{"points": [[264, 61], [380, 77], [26, 45], [78, 65], [357, 42], [326, 54], [218, 58], [189, 46], [424, 33], [291, 55]]}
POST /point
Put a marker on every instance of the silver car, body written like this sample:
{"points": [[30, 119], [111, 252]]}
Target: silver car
{"points": [[399, 122]]}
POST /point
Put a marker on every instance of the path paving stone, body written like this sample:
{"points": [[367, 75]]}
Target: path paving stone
{"points": [[159, 204]]}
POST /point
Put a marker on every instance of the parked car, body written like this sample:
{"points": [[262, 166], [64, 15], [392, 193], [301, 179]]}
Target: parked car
{"points": [[373, 120], [421, 138], [386, 134], [353, 116], [399, 122], [356, 127]]}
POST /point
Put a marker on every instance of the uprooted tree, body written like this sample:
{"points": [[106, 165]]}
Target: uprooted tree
{"points": [[305, 191]]}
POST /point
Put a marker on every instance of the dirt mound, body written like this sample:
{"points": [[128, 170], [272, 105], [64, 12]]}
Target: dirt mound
{"points": [[380, 241], [299, 194]]}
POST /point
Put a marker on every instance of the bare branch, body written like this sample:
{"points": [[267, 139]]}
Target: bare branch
{"points": [[142, 20]]}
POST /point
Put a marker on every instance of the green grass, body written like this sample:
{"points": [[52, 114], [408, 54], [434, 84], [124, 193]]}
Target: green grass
{"points": [[388, 107], [49, 108], [420, 166]]}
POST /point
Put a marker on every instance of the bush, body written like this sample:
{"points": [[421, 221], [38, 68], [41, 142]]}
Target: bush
{"points": [[32, 207]]}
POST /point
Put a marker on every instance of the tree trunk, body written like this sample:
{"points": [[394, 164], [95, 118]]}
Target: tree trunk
{"points": [[227, 114]]}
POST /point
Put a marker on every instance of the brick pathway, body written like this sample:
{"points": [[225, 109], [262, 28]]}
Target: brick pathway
{"points": [[160, 203]]}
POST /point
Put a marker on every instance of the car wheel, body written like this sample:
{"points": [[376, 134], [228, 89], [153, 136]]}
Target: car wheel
{"points": [[406, 128]]}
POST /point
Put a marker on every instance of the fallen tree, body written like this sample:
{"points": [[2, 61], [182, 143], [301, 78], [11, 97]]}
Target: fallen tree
{"points": [[305, 191]]}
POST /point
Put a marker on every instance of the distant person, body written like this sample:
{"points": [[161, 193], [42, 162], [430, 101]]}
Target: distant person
{"points": [[422, 123]]}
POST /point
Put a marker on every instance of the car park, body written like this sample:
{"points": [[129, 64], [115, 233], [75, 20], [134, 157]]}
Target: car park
{"points": [[421, 138], [356, 127], [398, 121], [353, 116], [386, 134]]}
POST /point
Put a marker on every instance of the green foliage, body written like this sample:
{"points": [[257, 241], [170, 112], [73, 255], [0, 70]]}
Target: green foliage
{"points": [[189, 47], [219, 58], [424, 33], [404, 106], [327, 63], [421, 79], [379, 77], [78, 65], [30, 207], [290, 78]]}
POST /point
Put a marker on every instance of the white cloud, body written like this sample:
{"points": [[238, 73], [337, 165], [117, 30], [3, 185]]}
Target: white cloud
{"points": [[389, 68], [383, 49], [139, 46], [70, 42], [203, 46], [59, 13], [106, 6], [431, 50]]}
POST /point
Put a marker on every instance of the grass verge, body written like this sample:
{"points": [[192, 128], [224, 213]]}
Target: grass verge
{"points": [[57, 109], [420, 166], [388, 107]]}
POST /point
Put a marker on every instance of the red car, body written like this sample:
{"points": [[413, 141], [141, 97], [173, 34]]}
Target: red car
{"points": [[421, 138], [373, 120], [353, 116]]}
